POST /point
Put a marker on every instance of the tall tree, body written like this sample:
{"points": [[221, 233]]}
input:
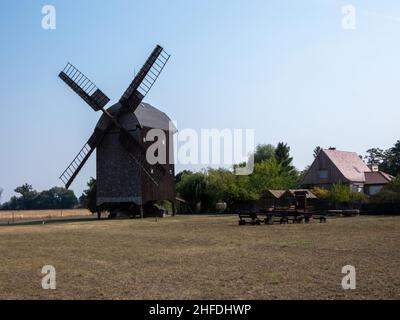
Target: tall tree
{"points": [[375, 156], [27, 199], [317, 150], [282, 156], [387, 160], [26, 190], [393, 159]]}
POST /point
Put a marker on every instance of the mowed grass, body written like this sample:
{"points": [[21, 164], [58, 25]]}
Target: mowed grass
{"points": [[202, 257]]}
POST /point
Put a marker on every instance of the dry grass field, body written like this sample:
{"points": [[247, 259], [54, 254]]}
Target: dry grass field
{"points": [[19, 215], [202, 257]]}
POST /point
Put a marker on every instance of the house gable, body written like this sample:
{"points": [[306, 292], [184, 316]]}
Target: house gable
{"points": [[315, 176]]}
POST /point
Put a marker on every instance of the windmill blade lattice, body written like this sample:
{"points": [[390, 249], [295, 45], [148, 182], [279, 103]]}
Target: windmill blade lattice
{"points": [[85, 88], [146, 77]]}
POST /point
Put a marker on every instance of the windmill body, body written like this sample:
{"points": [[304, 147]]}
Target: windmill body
{"points": [[126, 180], [120, 180]]}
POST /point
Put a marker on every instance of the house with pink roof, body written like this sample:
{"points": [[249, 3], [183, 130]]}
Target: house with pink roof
{"points": [[332, 166]]}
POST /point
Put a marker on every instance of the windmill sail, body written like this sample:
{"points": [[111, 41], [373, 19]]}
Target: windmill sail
{"points": [[145, 79], [132, 97], [69, 174], [85, 88]]}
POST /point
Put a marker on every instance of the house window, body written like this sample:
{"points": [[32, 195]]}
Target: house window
{"points": [[323, 174], [374, 190], [357, 187]]}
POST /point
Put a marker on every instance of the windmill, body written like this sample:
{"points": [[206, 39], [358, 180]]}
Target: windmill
{"points": [[126, 181]]}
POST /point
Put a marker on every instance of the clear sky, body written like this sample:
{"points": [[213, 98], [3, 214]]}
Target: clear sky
{"points": [[284, 68]]}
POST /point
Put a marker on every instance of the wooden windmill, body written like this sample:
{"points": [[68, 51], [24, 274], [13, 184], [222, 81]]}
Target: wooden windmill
{"points": [[126, 181]]}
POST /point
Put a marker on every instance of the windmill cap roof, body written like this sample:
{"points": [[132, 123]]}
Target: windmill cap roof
{"points": [[148, 116]]}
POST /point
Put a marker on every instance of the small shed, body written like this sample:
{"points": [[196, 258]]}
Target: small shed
{"points": [[299, 198], [270, 198]]}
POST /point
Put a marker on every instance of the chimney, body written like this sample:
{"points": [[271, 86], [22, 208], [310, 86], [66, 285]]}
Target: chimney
{"points": [[332, 148], [374, 168]]}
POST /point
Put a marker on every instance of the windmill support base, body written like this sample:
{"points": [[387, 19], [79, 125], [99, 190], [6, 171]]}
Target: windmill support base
{"points": [[141, 211], [173, 208]]}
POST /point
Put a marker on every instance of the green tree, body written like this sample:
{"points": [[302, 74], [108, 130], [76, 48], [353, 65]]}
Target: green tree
{"points": [[223, 185], [192, 188], [26, 191], [394, 185], [27, 199], [271, 175], [178, 176], [56, 198], [30, 199], [89, 195], [390, 193], [282, 155], [375, 156], [317, 151], [387, 160], [393, 159], [264, 152]]}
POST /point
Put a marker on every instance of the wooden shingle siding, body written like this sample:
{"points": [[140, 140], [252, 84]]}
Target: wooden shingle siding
{"points": [[119, 178], [322, 162]]}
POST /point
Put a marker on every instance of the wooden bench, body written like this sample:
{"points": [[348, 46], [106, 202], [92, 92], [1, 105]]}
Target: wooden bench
{"points": [[320, 216], [283, 217], [350, 213], [251, 218], [335, 212]]}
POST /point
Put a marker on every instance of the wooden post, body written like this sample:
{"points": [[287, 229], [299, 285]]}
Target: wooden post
{"points": [[173, 208], [141, 211]]}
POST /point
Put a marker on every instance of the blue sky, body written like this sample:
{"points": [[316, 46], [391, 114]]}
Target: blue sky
{"points": [[284, 68]]}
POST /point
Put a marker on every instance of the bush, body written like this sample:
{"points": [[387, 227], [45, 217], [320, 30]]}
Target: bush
{"points": [[320, 193], [389, 193]]}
